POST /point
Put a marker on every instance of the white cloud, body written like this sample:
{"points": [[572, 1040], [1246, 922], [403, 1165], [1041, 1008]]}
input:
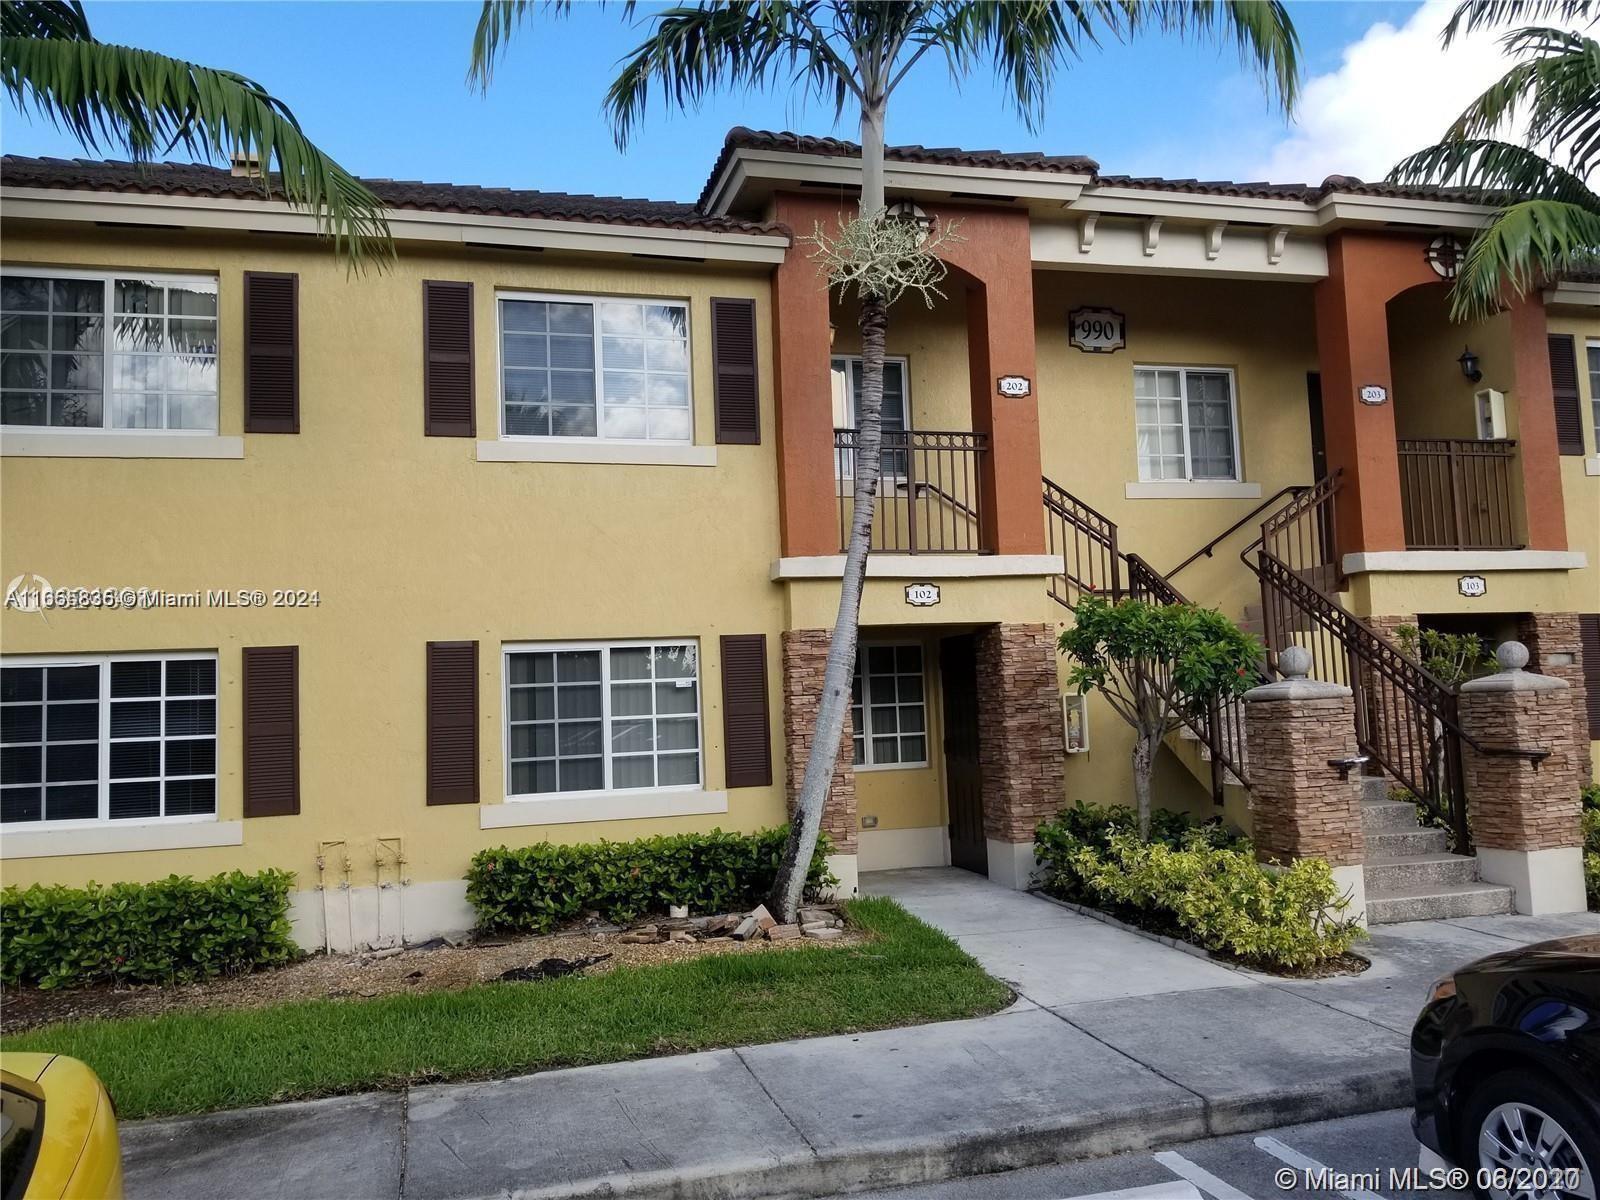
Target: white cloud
{"points": [[1396, 90]]}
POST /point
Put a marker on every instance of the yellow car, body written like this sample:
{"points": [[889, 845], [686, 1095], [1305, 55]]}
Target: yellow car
{"points": [[58, 1131]]}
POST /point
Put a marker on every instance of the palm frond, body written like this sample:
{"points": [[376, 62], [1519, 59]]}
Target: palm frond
{"points": [[1026, 40], [1261, 29], [44, 19], [498, 21], [147, 103], [1491, 170], [1472, 15], [694, 50], [1528, 244], [1557, 85]]}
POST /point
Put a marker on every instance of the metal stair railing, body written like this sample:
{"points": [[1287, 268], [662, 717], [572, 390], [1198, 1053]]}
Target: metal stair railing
{"points": [[1407, 719], [1092, 562]]}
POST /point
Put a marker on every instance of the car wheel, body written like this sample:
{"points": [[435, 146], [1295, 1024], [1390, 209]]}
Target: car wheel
{"points": [[1522, 1138]]}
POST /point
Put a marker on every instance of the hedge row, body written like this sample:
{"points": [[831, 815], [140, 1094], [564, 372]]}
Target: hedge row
{"points": [[535, 888], [1201, 883], [174, 930]]}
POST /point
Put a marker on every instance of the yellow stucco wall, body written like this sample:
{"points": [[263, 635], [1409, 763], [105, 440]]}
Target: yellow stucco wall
{"points": [[406, 538]]}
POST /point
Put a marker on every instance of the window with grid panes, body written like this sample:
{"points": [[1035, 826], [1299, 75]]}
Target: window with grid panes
{"points": [[118, 738], [888, 707], [608, 717]]}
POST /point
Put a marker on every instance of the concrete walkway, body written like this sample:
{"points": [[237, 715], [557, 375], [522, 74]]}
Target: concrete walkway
{"points": [[1116, 1043]]}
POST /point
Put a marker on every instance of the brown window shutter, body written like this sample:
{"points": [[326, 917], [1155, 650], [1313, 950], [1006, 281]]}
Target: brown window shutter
{"points": [[1589, 632], [1564, 385], [452, 722], [447, 390], [271, 731], [271, 353], [746, 727], [733, 357]]}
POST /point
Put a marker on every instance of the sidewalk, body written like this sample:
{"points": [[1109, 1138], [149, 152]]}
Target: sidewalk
{"points": [[1115, 1043]]}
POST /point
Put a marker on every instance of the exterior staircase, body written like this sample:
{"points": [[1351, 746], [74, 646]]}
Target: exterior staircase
{"points": [[1410, 874]]}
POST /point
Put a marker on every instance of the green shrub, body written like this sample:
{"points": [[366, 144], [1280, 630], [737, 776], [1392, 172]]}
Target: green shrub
{"points": [[535, 888], [175, 929], [1591, 844], [1203, 885]]}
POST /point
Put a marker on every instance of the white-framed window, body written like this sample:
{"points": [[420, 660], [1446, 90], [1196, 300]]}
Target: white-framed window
{"points": [[1593, 348], [91, 740], [888, 706], [608, 368], [845, 370], [1184, 420], [107, 350], [602, 716]]}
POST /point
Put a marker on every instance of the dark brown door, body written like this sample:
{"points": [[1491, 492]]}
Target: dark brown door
{"points": [[1319, 439], [963, 779]]}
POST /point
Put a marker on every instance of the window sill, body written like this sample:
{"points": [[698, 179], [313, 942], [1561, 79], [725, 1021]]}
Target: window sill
{"points": [[1591, 465], [870, 768], [1198, 489], [119, 444], [601, 806], [119, 839], [599, 453]]}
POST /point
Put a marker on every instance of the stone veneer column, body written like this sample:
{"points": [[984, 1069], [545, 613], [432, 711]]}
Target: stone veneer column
{"points": [[805, 657], [1301, 808], [1555, 648], [1525, 815], [1021, 747]]}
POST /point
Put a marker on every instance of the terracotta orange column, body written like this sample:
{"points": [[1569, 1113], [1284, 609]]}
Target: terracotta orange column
{"points": [[1537, 447], [1365, 271], [808, 508], [995, 260]]}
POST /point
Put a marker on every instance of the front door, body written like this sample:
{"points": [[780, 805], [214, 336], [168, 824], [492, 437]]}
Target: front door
{"points": [[958, 667]]}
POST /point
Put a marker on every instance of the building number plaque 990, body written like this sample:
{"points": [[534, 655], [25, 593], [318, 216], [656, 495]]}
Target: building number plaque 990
{"points": [[1097, 330]]}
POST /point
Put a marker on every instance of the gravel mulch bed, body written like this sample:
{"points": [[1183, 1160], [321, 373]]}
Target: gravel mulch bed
{"points": [[431, 967]]}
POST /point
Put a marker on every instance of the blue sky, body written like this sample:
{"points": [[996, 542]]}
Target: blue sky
{"points": [[382, 86]]}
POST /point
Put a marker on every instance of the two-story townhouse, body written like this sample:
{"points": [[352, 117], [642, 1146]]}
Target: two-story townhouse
{"points": [[537, 534]]}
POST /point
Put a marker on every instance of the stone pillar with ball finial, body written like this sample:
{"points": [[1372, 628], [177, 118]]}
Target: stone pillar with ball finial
{"points": [[1523, 769], [1305, 785]]}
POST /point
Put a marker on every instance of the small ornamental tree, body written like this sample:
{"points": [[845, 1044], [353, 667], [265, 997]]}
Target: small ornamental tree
{"points": [[1156, 664]]}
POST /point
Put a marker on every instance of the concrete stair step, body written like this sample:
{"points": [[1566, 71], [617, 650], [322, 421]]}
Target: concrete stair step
{"points": [[1375, 787], [1418, 870], [1392, 843], [1438, 902], [1388, 816]]}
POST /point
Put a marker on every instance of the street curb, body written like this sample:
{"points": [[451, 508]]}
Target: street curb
{"points": [[936, 1160]]}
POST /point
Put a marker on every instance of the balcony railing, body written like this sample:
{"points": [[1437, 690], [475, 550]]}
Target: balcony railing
{"points": [[1456, 494], [929, 496]]}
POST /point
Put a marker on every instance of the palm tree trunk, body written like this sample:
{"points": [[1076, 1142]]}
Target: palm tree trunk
{"points": [[789, 887]]}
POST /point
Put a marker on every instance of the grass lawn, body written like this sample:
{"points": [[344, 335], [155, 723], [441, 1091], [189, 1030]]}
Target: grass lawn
{"points": [[198, 1061]]}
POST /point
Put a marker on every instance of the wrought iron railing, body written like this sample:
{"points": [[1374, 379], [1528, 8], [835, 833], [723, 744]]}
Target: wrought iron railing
{"points": [[1406, 718], [1086, 540], [1457, 494], [930, 491]]}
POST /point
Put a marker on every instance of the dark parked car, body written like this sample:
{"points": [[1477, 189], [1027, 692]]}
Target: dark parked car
{"points": [[1505, 1059]]}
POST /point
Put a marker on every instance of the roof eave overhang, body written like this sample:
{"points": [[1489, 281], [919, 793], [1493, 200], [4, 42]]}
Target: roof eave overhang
{"points": [[1573, 294], [468, 229], [780, 169]]}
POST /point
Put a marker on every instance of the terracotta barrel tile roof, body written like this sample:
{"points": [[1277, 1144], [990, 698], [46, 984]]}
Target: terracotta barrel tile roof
{"points": [[742, 138], [195, 179]]}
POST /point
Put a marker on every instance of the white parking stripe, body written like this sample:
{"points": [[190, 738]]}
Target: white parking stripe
{"points": [[1155, 1191], [1203, 1179], [1308, 1166]]}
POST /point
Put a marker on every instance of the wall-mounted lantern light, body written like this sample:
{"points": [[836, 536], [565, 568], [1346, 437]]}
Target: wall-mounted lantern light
{"points": [[833, 332], [1469, 365]]}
